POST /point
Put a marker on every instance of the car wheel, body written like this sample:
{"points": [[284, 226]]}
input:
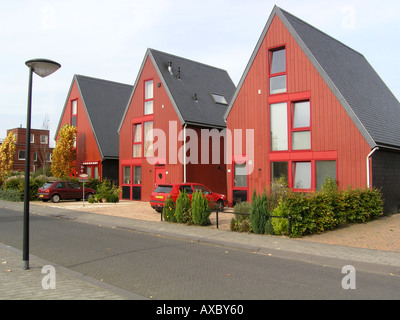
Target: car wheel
{"points": [[56, 198], [220, 206], [89, 196]]}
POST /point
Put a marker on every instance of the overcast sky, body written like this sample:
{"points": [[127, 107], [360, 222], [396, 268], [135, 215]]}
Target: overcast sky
{"points": [[108, 40]]}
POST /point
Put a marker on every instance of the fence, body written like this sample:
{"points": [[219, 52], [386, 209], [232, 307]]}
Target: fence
{"points": [[289, 217]]}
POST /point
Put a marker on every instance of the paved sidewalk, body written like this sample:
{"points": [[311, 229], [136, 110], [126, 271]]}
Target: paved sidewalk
{"points": [[19, 284], [372, 247]]}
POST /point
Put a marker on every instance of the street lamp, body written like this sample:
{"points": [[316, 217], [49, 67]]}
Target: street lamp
{"points": [[43, 68]]}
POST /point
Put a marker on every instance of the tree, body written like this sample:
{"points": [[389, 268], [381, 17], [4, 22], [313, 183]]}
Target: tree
{"points": [[64, 153], [7, 150]]}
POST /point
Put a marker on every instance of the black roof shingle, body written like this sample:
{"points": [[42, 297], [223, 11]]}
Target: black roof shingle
{"points": [[366, 98], [104, 102], [189, 85]]}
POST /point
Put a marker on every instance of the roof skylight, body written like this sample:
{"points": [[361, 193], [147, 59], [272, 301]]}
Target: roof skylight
{"points": [[219, 98]]}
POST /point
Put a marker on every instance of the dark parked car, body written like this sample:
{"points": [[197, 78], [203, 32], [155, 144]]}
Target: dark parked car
{"points": [[163, 191], [63, 190]]}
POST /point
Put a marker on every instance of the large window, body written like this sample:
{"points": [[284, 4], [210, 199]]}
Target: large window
{"points": [[148, 97], [277, 72], [279, 127], [279, 170], [301, 127], [126, 175], [303, 175], [299, 137], [143, 139], [137, 175], [324, 169], [137, 140], [74, 112], [148, 139]]}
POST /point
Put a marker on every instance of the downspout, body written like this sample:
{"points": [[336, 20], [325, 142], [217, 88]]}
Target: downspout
{"points": [[184, 153], [368, 166]]}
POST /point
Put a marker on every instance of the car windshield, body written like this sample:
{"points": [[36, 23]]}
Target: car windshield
{"points": [[46, 185], [163, 189]]}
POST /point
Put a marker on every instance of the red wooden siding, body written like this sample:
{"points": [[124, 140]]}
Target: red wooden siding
{"points": [[86, 145], [163, 112], [331, 127]]}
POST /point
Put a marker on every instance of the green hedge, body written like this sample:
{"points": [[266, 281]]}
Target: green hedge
{"points": [[326, 210]]}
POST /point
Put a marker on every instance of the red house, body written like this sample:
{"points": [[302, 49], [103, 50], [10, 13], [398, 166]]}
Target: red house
{"points": [[95, 107], [318, 109], [165, 130], [40, 156]]}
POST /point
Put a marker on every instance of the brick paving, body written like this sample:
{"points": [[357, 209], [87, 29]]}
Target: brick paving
{"points": [[19, 284]]}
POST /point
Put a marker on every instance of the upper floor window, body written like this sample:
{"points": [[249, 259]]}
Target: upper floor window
{"points": [[74, 112], [301, 127], [148, 97], [290, 135], [277, 72], [44, 139], [21, 155], [32, 138], [137, 140]]}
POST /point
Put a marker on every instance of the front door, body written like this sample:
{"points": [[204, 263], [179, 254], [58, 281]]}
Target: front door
{"points": [[160, 173]]}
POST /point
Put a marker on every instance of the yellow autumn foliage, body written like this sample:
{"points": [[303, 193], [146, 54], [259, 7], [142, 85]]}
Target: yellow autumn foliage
{"points": [[7, 150], [64, 153]]}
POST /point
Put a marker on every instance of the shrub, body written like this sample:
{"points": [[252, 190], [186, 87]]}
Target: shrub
{"points": [[107, 190], [279, 192], [200, 210], [241, 222], [169, 210], [360, 205], [14, 182], [259, 212], [280, 225], [10, 195], [182, 210], [326, 209]]}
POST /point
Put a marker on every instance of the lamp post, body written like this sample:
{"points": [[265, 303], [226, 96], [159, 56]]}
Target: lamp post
{"points": [[43, 68]]}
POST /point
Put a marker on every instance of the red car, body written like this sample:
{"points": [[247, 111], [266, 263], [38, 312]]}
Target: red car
{"points": [[163, 191], [63, 190]]}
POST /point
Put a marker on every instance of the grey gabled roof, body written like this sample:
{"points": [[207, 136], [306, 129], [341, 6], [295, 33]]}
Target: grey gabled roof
{"points": [[190, 79], [104, 102], [362, 93]]}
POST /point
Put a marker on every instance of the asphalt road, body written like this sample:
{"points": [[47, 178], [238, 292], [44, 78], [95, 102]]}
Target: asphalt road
{"points": [[168, 268]]}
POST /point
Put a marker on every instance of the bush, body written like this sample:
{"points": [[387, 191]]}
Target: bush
{"points": [[169, 210], [326, 209], [107, 190], [259, 212], [280, 225], [17, 182], [279, 192], [182, 210], [14, 182], [200, 210], [10, 195], [241, 222]]}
